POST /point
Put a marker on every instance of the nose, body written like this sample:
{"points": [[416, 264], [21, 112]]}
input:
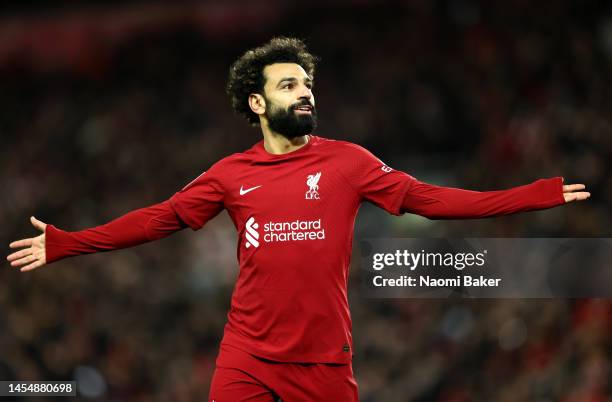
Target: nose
{"points": [[306, 93]]}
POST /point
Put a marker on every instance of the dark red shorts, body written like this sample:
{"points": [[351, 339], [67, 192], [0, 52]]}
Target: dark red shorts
{"points": [[240, 376]]}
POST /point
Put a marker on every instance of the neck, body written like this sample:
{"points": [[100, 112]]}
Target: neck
{"points": [[278, 144]]}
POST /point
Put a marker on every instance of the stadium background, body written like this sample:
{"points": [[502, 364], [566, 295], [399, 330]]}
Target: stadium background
{"points": [[111, 106]]}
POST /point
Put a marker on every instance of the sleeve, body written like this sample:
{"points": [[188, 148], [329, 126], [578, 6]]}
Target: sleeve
{"points": [[136, 227], [373, 180], [436, 202], [200, 200]]}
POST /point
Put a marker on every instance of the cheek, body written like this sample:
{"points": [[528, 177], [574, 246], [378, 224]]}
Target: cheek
{"points": [[279, 102]]}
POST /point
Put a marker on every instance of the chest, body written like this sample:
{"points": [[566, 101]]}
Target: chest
{"points": [[290, 190]]}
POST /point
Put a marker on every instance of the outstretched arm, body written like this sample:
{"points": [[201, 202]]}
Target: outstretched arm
{"points": [[136, 227], [435, 202]]}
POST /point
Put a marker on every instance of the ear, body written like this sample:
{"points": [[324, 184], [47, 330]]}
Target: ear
{"points": [[257, 104]]}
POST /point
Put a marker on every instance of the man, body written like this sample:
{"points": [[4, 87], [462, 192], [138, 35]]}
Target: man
{"points": [[293, 198]]}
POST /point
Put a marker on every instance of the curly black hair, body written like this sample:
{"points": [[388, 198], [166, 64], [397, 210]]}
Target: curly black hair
{"points": [[246, 74]]}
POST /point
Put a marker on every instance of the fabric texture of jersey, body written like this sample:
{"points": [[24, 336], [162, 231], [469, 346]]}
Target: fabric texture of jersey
{"points": [[294, 214], [136, 227]]}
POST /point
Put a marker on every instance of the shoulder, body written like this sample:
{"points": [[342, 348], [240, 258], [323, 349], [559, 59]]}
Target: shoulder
{"points": [[345, 147], [234, 159], [344, 151]]}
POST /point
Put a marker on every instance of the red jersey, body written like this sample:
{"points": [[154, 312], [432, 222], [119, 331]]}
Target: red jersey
{"points": [[294, 214]]}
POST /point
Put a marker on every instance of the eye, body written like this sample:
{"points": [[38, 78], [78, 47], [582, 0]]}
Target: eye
{"points": [[287, 86]]}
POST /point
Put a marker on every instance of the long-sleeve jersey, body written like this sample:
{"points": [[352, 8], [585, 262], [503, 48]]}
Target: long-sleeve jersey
{"points": [[295, 215]]}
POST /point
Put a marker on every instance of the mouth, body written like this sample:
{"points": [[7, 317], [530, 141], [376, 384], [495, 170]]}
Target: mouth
{"points": [[303, 109]]}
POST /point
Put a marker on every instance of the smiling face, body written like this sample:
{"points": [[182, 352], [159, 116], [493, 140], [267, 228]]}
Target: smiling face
{"points": [[287, 102]]}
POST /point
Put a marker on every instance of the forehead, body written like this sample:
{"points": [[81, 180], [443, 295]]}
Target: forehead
{"points": [[273, 73]]}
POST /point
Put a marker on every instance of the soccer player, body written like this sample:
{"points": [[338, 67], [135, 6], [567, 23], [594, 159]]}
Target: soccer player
{"points": [[293, 198]]}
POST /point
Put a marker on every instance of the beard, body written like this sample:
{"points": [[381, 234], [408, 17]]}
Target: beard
{"points": [[288, 123]]}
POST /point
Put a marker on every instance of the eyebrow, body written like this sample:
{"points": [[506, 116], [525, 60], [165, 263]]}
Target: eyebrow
{"points": [[293, 79]]}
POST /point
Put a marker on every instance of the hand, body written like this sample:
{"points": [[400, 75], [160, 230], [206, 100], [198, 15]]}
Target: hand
{"points": [[34, 254], [572, 192]]}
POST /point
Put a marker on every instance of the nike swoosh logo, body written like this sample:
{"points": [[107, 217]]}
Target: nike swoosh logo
{"points": [[243, 192]]}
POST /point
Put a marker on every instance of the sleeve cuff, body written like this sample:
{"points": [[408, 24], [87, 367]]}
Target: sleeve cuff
{"points": [[552, 192], [54, 238]]}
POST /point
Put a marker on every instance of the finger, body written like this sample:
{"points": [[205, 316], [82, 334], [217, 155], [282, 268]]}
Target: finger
{"points": [[573, 187], [580, 196], [19, 254], [32, 266], [23, 261], [21, 243], [583, 195], [38, 224]]}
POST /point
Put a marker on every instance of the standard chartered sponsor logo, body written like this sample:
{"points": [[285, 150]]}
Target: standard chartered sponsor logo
{"points": [[296, 230], [252, 235], [293, 231]]}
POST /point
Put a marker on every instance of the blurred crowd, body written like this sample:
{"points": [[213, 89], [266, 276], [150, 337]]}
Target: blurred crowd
{"points": [[461, 93]]}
